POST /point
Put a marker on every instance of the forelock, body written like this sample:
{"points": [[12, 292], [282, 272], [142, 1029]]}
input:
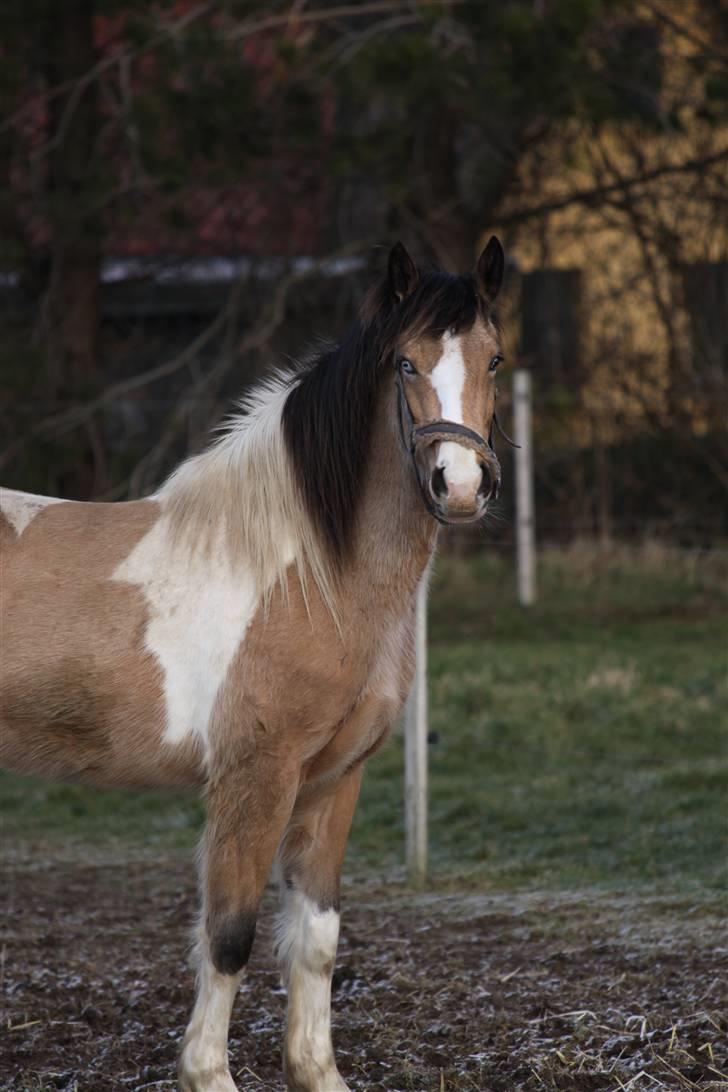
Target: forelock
{"points": [[440, 302]]}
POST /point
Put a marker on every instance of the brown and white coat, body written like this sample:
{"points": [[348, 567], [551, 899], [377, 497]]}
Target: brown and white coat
{"points": [[249, 629]]}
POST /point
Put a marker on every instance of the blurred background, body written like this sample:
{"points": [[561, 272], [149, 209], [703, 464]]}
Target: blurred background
{"points": [[192, 193]]}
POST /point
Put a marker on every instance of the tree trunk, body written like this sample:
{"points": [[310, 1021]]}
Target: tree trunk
{"points": [[448, 231], [74, 307], [452, 226], [73, 187]]}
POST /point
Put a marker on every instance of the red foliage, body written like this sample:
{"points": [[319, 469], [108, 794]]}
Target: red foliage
{"points": [[276, 209]]}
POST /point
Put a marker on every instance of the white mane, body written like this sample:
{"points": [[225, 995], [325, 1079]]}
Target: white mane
{"points": [[241, 492]]}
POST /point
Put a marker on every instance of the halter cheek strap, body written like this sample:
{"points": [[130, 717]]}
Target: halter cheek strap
{"points": [[415, 437]]}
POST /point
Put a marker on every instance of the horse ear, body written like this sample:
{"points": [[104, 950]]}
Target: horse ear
{"points": [[489, 270], [402, 272]]}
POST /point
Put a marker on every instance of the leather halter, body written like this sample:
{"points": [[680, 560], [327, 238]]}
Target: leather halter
{"points": [[414, 437]]}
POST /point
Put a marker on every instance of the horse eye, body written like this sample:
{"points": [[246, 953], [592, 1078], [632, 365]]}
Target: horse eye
{"points": [[495, 362], [407, 366]]}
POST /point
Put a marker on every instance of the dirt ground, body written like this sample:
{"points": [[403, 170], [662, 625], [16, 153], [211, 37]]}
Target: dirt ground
{"points": [[441, 992]]}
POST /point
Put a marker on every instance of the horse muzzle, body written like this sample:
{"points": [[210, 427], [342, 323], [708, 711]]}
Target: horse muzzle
{"points": [[457, 471], [456, 468]]}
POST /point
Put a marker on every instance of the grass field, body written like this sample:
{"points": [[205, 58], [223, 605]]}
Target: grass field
{"points": [[574, 929], [582, 741]]}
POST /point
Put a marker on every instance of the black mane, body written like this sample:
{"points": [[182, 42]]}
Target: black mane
{"points": [[327, 417]]}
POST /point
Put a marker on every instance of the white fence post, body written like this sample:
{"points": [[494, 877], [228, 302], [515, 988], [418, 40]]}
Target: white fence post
{"points": [[525, 525], [415, 751]]}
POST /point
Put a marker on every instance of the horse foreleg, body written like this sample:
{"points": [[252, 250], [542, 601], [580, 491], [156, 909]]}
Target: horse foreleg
{"points": [[311, 859], [203, 1063], [246, 817]]}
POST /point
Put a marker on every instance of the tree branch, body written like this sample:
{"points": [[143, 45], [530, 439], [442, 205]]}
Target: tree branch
{"points": [[594, 194], [173, 28], [707, 48], [58, 424]]}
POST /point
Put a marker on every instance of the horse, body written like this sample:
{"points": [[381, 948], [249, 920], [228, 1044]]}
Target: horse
{"points": [[248, 629]]}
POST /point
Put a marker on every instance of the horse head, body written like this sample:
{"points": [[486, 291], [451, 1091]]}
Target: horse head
{"points": [[444, 348]]}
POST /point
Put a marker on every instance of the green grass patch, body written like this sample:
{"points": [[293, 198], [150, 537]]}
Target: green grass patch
{"points": [[579, 743]]}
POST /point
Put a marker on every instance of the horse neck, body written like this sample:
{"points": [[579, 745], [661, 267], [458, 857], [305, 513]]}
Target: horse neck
{"points": [[396, 536]]}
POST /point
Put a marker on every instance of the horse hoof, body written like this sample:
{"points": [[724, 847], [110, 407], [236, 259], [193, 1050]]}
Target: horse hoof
{"points": [[332, 1082], [221, 1083], [211, 1081], [339, 1086]]}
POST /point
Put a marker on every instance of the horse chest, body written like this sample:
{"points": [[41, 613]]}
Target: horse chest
{"points": [[309, 670], [368, 721], [232, 664]]}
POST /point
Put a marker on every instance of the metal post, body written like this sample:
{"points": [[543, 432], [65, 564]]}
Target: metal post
{"points": [[525, 527], [415, 751]]}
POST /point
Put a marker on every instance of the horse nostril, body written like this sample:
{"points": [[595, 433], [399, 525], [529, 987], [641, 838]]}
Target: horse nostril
{"points": [[486, 483], [438, 483]]}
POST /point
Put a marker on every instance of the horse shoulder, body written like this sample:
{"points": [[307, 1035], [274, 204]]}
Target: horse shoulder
{"points": [[81, 695]]}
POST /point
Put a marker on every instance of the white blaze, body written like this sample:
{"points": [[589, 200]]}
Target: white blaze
{"points": [[448, 379], [460, 464]]}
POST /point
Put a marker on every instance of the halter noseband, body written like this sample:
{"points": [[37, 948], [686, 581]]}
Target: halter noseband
{"points": [[414, 437]]}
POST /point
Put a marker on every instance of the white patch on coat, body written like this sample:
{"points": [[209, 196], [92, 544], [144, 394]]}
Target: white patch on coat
{"points": [[306, 945], [204, 1060], [460, 464], [20, 509], [200, 606], [244, 489]]}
